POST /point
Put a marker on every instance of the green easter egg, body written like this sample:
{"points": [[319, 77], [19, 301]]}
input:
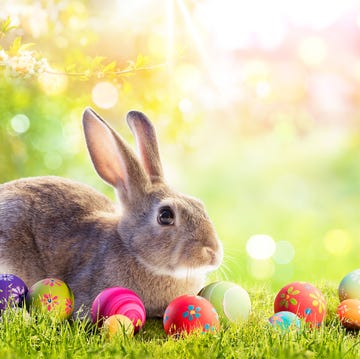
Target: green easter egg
{"points": [[349, 287], [53, 296], [230, 300]]}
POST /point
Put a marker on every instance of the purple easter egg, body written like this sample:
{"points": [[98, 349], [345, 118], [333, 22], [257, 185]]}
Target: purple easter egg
{"points": [[119, 300], [12, 291]]}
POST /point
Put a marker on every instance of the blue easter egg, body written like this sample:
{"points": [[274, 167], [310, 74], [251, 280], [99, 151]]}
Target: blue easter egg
{"points": [[349, 287], [285, 321]]}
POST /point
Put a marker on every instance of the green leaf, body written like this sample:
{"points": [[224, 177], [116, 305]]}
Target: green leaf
{"points": [[15, 46], [5, 26], [96, 62], [110, 67], [26, 46], [141, 61], [293, 301]]}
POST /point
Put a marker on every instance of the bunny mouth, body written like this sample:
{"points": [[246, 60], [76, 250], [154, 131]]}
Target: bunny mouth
{"points": [[208, 261], [183, 271]]}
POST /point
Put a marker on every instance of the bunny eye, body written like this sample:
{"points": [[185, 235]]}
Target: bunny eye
{"points": [[166, 216]]}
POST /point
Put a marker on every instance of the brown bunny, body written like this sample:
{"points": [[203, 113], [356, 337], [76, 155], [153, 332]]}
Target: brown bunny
{"points": [[159, 243]]}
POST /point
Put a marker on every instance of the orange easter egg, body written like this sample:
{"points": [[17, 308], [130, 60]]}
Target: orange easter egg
{"points": [[348, 312]]}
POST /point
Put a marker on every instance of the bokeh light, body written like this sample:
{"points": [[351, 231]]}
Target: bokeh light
{"points": [[313, 50], [261, 269], [53, 160], [187, 78], [185, 105], [52, 83], [263, 89], [20, 123], [338, 242], [105, 95], [284, 252], [260, 246]]}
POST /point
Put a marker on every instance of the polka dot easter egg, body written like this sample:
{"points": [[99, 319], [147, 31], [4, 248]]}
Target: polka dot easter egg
{"points": [[190, 313], [12, 291], [348, 312], [52, 296], [118, 300], [230, 300], [304, 300], [349, 287], [285, 321]]}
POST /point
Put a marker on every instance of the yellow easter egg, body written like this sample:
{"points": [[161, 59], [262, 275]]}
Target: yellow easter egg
{"points": [[118, 325]]}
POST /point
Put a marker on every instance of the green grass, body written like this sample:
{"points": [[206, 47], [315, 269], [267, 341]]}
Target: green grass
{"points": [[22, 336]]}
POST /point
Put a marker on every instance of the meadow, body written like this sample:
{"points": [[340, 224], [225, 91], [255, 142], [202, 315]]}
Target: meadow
{"points": [[42, 337]]}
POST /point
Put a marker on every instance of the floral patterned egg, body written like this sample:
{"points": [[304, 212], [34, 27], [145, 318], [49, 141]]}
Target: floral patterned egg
{"points": [[349, 287], [348, 312], [118, 300], [53, 296], [12, 291], [285, 321], [230, 300], [189, 313], [302, 299]]}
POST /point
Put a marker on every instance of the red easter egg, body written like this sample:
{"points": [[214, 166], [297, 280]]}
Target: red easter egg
{"points": [[348, 312], [304, 300], [118, 300], [189, 313]]}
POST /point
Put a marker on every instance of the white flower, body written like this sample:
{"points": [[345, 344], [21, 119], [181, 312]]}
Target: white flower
{"points": [[17, 293], [25, 64], [6, 277], [42, 65]]}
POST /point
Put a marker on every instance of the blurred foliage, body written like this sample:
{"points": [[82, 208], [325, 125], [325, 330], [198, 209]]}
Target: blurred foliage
{"points": [[267, 135]]}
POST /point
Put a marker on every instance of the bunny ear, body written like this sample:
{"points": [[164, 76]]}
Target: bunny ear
{"points": [[113, 159], [147, 144]]}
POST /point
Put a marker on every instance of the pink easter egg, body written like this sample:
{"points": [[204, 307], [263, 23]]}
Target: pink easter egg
{"points": [[118, 300]]}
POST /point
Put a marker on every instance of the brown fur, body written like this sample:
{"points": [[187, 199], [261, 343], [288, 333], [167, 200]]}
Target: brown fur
{"points": [[56, 227]]}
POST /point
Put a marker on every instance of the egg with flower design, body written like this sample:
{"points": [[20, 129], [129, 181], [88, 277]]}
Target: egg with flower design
{"points": [[12, 291], [304, 300], [52, 296], [190, 313]]}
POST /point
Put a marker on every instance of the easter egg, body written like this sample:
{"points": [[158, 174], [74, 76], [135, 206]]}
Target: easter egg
{"points": [[302, 299], [348, 312], [285, 321], [53, 296], [349, 287], [230, 300], [118, 325], [12, 291], [189, 313], [118, 300]]}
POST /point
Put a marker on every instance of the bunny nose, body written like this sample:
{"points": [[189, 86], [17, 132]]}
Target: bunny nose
{"points": [[215, 256]]}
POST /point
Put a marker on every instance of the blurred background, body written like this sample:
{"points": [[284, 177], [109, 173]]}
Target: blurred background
{"points": [[256, 104]]}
